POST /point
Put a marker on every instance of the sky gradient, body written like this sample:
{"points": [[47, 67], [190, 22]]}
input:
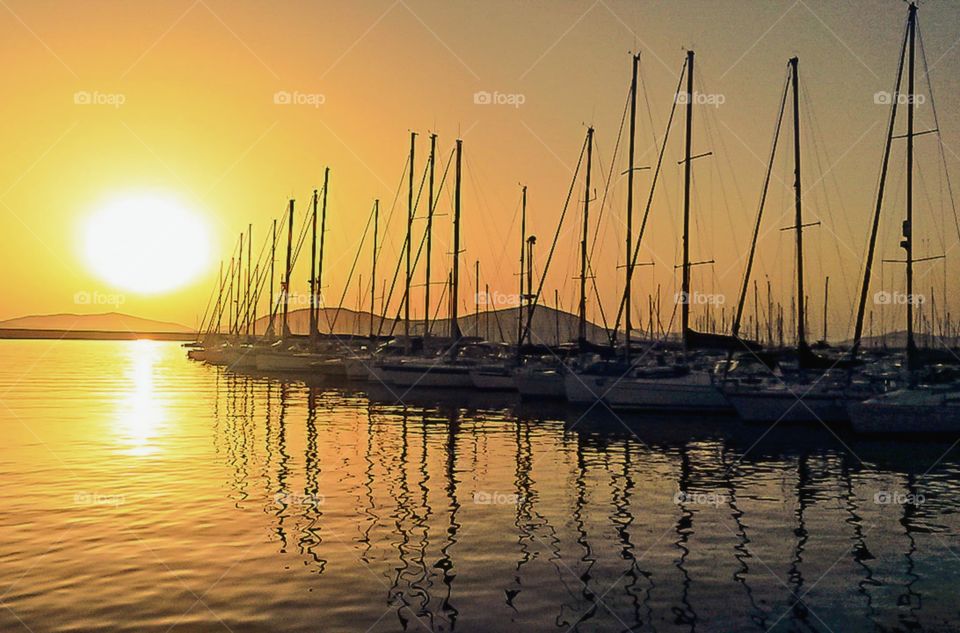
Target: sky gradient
{"points": [[186, 105]]}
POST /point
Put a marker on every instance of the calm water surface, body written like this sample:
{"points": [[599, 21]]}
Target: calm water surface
{"points": [[143, 492]]}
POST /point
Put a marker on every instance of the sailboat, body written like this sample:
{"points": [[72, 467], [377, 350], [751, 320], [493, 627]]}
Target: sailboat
{"points": [[685, 386], [775, 399], [922, 407]]}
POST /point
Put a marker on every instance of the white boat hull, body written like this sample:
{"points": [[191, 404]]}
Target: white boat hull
{"points": [[693, 392], [585, 388], [492, 380], [535, 384], [286, 361], [426, 375]]}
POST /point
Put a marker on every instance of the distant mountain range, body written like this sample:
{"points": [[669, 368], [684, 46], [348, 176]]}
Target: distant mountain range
{"points": [[103, 322], [549, 325]]}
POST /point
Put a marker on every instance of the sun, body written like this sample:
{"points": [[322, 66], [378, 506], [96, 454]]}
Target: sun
{"points": [[146, 243]]}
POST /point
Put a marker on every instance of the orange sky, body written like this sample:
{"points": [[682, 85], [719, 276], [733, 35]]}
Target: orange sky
{"points": [[198, 121]]}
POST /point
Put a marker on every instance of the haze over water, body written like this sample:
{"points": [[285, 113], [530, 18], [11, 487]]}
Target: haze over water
{"points": [[143, 492]]}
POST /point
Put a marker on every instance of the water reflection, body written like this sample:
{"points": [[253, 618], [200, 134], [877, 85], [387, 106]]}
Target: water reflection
{"points": [[141, 413], [293, 505]]}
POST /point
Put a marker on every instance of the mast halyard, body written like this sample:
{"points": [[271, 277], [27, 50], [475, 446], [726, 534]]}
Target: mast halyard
{"points": [[373, 268], [429, 236], [455, 275], [323, 232], [285, 289], [687, 160], [409, 242], [313, 269], [582, 332], [628, 317], [802, 346], [523, 246], [907, 243]]}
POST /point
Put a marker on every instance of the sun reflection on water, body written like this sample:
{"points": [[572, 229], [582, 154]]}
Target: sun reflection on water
{"points": [[141, 415]]}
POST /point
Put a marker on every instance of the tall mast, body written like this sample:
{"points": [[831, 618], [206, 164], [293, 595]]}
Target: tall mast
{"points": [[426, 287], [907, 242], [236, 301], [798, 226], [313, 269], [406, 293], [523, 239], [323, 232], [286, 275], [582, 334], [273, 257], [373, 272], [826, 303], [685, 287], [871, 247], [248, 296], [455, 279], [628, 319]]}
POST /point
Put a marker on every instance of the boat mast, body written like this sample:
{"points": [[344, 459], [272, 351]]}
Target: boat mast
{"points": [[323, 232], [628, 317], [373, 272], [313, 269], [406, 293], [426, 287], [273, 257], [907, 242], [871, 248], [523, 246], [246, 293], [687, 161], [285, 289], [582, 335], [455, 279], [798, 198]]}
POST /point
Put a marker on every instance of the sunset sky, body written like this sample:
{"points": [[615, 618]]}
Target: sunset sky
{"points": [[184, 110]]}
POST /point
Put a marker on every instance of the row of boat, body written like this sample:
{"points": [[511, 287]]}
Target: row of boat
{"points": [[697, 373]]}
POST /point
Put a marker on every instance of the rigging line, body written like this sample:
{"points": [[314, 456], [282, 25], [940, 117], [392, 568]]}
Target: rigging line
{"points": [[613, 163], [346, 286], [386, 300], [556, 236], [596, 293], [735, 331], [936, 125], [419, 250], [632, 260]]}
